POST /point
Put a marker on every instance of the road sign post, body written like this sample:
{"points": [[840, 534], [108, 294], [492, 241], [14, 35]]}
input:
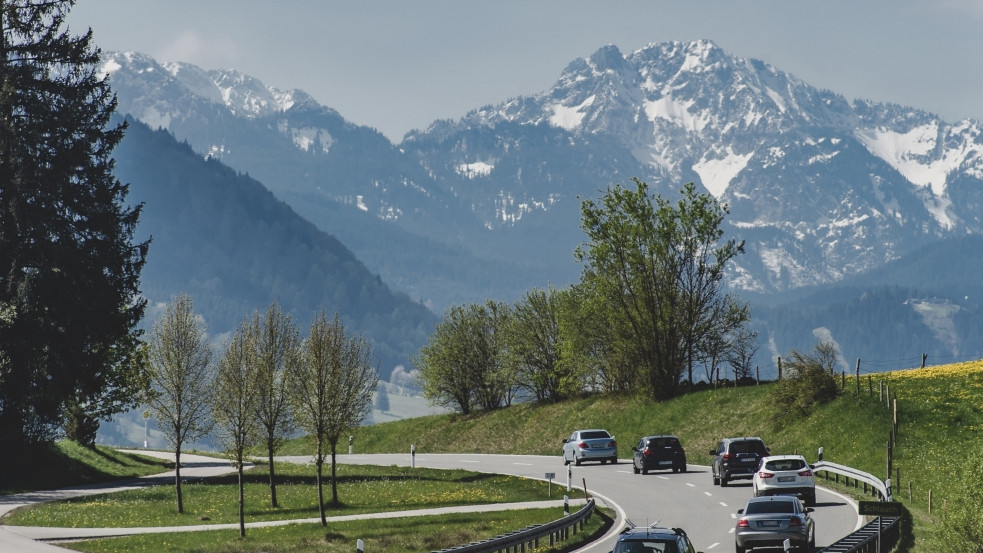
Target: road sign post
{"points": [[550, 476]]}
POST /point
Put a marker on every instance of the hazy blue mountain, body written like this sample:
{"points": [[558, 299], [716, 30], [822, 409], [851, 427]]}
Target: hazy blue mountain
{"points": [[224, 239], [824, 191]]}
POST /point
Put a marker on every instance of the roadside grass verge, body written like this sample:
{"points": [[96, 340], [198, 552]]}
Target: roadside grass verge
{"points": [[361, 489], [65, 463], [940, 425], [429, 533]]}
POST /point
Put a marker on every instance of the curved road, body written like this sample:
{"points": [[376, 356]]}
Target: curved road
{"points": [[687, 500]]}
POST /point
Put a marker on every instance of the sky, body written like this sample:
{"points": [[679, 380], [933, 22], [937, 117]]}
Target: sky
{"points": [[399, 65]]}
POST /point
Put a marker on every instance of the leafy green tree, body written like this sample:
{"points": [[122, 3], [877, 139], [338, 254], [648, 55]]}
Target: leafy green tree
{"points": [[69, 267], [180, 365], [657, 269], [463, 366], [331, 392], [276, 354], [235, 402], [534, 344]]}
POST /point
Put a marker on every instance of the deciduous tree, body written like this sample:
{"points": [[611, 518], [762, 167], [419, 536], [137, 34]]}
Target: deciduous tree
{"points": [[657, 269], [277, 352], [180, 368], [235, 401], [331, 392]]}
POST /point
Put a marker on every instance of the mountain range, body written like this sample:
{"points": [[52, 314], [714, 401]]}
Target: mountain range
{"points": [[828, 194]]}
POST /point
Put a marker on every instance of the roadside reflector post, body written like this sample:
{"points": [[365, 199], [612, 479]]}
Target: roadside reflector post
{"points": [[787, 544], [412, 455], [566, 505], [569, 478], [360, 546]]}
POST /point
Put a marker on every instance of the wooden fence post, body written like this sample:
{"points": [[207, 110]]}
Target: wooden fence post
{"points": [[858, 377]]}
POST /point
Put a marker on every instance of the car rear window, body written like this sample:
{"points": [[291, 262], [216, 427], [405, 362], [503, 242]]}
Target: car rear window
{"points": [[647, 546], [785, 464], [594, 434], [748, 446], [662, 442], [760, 507]]}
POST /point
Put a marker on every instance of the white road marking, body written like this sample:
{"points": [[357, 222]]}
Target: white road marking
{"points": [[708, 494], [712, 545], [690, 484], [722, 504], [523, 464]]}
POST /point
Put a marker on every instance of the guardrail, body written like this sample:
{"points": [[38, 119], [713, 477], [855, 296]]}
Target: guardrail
{"points": [[865, 540], [556, 531], [877, 536], [882, 488]]}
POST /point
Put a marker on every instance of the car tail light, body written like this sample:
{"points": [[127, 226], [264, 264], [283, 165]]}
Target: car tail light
{"points": [[742, 523], [646, 452], [612, 443], [764, 474], [806, 472], [583, 445], [794, 521], [725, 456]]}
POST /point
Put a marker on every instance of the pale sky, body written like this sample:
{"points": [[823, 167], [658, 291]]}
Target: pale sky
{"points": [[398, 65]]}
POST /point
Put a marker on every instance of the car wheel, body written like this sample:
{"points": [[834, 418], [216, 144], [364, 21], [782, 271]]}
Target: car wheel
{"points": [[739, 549], [565, 461], [645, 471], [723, 482], [811, 499], [576, 460], [614, 460], [634, 468], [716, 481], [682, 468], [604, 461]]}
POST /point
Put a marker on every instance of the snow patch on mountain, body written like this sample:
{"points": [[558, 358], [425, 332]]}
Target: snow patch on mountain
{"points": [[716, 174], [475, 170], [569, 117]]}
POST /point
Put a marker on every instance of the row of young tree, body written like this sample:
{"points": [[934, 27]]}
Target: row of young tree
{"points": [[268, 383], [649, 308]]}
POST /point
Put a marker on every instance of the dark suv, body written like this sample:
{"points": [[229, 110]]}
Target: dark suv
{"points": [[736, 459], [659, 453], [652, 539]]}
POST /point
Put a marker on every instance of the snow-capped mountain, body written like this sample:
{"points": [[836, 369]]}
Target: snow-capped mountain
{"points": [[818, 186]]}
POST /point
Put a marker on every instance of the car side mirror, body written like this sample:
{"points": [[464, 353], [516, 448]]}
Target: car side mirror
{"points": [[565, 440], [740, 511], [810, 510], [633, 448], [713, 452]]}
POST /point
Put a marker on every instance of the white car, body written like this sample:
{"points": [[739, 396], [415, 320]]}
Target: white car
{"points": [[785, 475], [590, 445]]}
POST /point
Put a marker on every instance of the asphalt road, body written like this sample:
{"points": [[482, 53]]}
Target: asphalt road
{"points": [[687, 500]]}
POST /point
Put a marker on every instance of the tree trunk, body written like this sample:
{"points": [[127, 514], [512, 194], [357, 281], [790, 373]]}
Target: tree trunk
{"points": [[334, 474], [269, 448], [319, 463], [242, 503], [177, 480]]}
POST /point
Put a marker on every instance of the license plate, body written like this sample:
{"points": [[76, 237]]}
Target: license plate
{"points": [[768, 523], [786, 479], [665, 462]]}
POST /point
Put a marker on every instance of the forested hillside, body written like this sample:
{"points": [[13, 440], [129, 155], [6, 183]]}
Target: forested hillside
{"points": [[225, 240]]}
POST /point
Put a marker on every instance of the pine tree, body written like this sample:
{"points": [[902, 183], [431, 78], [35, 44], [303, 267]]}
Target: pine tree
{"points": [[69, 268]]}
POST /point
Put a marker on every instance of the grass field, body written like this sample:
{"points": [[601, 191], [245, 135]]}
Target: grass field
{"points": [[939, 425]]}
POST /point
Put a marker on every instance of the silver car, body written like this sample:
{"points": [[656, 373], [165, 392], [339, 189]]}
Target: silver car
{"points": [[769, 521], [590, 445]]}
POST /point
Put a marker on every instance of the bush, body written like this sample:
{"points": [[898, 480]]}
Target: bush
{"points": [[808, 382]]}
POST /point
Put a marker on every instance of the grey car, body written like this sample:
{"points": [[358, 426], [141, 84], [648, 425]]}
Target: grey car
{"points": [[769, 521], [590, 445]]}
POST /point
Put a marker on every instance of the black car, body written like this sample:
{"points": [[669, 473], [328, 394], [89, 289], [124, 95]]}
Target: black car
{"points": [[736, 459], [659, 453], [652, 539]]}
